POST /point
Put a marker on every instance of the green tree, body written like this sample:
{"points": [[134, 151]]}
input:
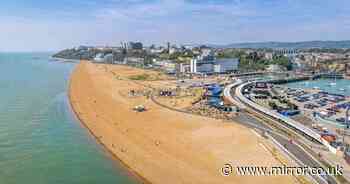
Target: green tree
{"points": [[282, 61]]}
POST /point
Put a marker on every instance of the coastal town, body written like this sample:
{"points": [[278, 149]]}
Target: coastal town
{"points": [[300, 125], [175, 92], [177, 59]]}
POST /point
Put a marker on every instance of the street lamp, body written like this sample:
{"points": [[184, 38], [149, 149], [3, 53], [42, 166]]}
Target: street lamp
{"points": [[346, 123]]}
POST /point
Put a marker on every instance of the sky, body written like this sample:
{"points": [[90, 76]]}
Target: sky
{"points": [[50, 25]]}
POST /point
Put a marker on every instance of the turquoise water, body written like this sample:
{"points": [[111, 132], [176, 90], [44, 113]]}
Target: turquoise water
{"points": [[41, 142], [342, 85]]}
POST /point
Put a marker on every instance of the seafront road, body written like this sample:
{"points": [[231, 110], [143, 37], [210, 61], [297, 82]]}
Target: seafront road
{"points": [[249, 120]]}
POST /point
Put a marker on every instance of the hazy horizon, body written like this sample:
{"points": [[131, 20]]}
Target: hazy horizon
{"points": [[162, 44], [38, 25]]}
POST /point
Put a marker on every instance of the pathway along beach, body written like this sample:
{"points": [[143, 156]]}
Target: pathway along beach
{"points": [[160, 145]]}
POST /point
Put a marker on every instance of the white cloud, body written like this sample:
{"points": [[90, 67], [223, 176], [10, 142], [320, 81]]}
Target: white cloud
{"points": [[179, 21]]}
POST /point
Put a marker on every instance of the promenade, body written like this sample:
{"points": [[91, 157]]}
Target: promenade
{"points": [[162, 145]]}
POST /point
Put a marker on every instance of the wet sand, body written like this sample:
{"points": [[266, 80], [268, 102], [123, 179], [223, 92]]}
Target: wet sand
{"points": [[160, 145]]}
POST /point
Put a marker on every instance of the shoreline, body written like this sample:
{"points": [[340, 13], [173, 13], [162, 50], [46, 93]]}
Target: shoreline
{"points": [[66, 60], [165, 147], [132, 173]]}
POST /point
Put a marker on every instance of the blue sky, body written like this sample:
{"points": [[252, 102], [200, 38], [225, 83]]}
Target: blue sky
{"points": [[39, 25]]}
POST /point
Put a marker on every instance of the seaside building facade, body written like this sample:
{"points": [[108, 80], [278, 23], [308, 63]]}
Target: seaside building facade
{"points": [[214, 66]]}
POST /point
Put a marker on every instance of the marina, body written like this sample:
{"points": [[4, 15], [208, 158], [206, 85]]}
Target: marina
{"points": [[317, 108]]}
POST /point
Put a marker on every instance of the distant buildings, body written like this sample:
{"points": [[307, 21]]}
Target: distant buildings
{"points": [[168, 47], [103, 58], [225, 65], [286, 52], [172, 50], [99, 58], [109, 58], [189, 47], [268, 55], [157, 50], [134, 61], [184, 68], [213, 66], [206, 55], [193, 66], [135, 45], [167, 65], [275, 68], [82, 47], [132, 45], [203, 59]]}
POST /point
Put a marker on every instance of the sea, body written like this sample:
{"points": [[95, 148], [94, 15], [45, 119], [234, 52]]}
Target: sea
{"points": [[337, 86], [41, 140]]}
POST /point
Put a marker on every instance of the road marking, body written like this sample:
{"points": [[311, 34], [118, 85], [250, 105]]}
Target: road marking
{"points": [[256, 133], [265, 148]]}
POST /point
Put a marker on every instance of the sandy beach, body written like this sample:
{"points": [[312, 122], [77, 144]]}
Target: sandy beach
{"points": [[160, 145]]}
